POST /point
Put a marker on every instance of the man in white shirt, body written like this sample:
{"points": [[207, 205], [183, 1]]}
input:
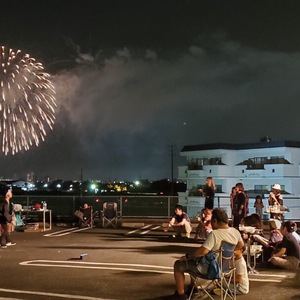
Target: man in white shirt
{"points": [[221, 232]]}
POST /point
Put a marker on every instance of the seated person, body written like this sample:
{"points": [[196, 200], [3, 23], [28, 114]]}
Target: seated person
{"points": [[295, 234], [287, 254], [180, 222], [275, 235], [84, 215], [253, 220], [241, 277], [241, 273], [190, 263], [204, 226]]}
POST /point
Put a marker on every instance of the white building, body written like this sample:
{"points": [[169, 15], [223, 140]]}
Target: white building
{"points": [[257, 165]]}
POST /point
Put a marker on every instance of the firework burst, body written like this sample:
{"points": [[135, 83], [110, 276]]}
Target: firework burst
{"points": [[27, 101]]}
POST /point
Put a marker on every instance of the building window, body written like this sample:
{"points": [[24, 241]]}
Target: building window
{"points": [[261, 189]]}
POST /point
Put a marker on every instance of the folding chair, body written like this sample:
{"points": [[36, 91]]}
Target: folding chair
{"points": [[109, 214], [205, 287], [85, 216], [226, 261]]}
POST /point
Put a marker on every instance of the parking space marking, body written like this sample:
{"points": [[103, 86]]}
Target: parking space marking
{"points": [[97, 265], [262, 277], [154, 228], [66, 231], [67, 296], [270, 277], [144, 230]]}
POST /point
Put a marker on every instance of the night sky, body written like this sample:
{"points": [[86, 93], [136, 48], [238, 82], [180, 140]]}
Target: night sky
{"points": [[136, 77]]}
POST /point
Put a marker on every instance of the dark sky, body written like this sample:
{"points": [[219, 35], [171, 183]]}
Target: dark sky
{"points": [[133, 78]]}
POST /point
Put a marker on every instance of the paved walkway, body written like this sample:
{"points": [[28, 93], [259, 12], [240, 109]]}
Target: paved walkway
{"points": [[132, 263]]}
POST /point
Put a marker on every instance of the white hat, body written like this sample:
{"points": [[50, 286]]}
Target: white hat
{"points": [[276, 186]]}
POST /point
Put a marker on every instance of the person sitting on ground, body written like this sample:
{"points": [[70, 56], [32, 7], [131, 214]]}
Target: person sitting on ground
{"points": [[269, 245], [204, 226], [275, 235], [190, 263], [287, 255], [241, 273], [295, 234], [253, 220], [180, 222], [241, 278]]}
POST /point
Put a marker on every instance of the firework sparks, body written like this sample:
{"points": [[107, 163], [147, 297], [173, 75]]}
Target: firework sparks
{"points": [[27, 101]]}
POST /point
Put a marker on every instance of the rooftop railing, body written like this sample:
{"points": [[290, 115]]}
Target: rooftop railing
{"points": [[63, 207]]}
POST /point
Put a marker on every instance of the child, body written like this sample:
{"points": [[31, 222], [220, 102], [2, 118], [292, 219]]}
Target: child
{"points": [[241, 275], [259, 205], [204, 226]]}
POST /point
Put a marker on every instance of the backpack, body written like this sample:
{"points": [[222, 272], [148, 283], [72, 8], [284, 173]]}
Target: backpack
{"points": [[209, 262]]}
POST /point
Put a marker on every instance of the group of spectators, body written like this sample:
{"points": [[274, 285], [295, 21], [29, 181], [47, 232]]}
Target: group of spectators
{"points": [[281, 249]]}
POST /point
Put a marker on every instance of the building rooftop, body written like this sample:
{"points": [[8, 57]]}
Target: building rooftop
{"points": [[229, 146]]}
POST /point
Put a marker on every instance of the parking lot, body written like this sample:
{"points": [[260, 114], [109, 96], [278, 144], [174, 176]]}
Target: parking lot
{"points": [[123, 263]]}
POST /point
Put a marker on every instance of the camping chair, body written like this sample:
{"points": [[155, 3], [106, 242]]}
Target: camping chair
{"points": [[226, 262], [109, 214], [85, 216], [222, 282]]}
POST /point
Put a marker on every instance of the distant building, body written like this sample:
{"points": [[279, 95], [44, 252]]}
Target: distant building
{"points": [[257, 165], [31, 177]]}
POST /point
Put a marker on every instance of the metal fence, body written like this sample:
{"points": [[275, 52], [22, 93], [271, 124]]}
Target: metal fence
{"points": [[63, 207]]}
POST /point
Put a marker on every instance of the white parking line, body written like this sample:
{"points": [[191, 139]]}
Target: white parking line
{"points": [[139, 229], [66, 231], [136, 268], [67, 296], [154, 228], [100, 266], [143, 230]]}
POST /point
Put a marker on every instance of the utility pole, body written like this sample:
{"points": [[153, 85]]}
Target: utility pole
{"points": [[172, 147], [81, 178]]}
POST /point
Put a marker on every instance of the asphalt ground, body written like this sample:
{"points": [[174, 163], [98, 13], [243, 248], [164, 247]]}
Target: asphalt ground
{"points": [[132, 262]]}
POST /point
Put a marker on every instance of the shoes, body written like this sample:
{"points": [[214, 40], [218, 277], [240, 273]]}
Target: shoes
{"points": [[10, 244], [217, 291], [176, 297], [188, 235], [3, 247], [176, 236], [190, 289]]}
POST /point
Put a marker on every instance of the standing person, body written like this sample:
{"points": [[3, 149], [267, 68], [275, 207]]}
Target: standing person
{"points": [[287, 255], [209, 193], [275, 199], [6, 218], [259, 205], [239, 205], [232, 196], [189, 263], [180, 222]]}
